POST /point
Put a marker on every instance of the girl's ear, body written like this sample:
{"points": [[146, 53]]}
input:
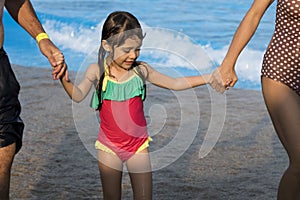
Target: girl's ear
{"points": [[106, 46]]}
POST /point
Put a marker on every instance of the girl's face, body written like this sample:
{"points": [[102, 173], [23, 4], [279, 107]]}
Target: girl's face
{"points": [[127, 53]]}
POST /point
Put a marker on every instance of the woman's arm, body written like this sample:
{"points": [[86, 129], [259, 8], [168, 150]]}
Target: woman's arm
{"points": [[225, 72], [78, 93], [180, 83]]}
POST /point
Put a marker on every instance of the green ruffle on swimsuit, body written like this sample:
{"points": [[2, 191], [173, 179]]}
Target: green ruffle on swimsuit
{"points": [[119, 91]]}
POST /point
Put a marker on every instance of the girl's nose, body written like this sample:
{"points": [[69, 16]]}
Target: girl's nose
{"points": [[134, 54]]}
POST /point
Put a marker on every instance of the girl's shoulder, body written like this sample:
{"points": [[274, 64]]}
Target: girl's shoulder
{"points": [[93, 72], [142, 69], [142, 64], [94, 67]]}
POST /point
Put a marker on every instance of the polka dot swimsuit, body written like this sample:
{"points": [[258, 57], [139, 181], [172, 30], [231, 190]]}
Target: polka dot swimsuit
{"points": [[282, 58]]}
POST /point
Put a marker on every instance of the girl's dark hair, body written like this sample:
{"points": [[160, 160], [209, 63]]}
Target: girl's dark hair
{"points": [[118, 27]]}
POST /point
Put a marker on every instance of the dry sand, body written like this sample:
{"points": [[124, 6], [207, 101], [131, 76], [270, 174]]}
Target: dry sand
{"points": [[54, 163]]}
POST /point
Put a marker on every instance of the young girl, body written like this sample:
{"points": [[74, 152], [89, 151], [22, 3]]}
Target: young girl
{"points": [[120, 84]]}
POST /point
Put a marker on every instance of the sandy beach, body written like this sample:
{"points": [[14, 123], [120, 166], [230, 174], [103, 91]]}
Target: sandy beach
{"points": [[54, 163]]}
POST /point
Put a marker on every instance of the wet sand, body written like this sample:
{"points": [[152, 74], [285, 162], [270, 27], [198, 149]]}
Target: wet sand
{"points": [[56, 163]]}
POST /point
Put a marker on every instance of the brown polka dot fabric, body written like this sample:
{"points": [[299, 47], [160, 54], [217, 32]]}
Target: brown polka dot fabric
{"points": [[282, 58]]}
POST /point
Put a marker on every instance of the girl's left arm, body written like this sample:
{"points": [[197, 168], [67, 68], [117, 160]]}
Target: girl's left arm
{"points": [[178, 83]]}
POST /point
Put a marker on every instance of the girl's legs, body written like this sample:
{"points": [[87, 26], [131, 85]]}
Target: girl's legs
{"points": [[110, 167], [139, 168], [284, 108]]}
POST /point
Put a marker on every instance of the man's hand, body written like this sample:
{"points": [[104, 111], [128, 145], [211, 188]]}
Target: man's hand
{"points": [[55, 58], [59, 57]]}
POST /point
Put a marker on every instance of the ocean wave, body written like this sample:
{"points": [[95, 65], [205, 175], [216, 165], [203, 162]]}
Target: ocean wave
{"points": [[188, 49], [161, 47]]}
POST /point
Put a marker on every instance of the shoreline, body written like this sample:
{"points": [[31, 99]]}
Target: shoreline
{"points": [[54, 162]]}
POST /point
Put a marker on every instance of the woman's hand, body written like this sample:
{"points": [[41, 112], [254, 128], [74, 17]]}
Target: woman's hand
{"points": [[223, 78]]}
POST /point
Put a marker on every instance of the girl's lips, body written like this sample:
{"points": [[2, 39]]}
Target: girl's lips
{"points": [[129, 62]]}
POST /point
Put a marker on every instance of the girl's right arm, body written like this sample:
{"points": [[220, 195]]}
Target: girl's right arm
{"points": [[78, 93]]}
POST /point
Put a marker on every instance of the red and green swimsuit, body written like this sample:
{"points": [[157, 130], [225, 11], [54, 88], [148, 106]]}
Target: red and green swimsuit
{"points": [[123, 127]]}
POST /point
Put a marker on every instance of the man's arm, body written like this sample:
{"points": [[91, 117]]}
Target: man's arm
{"points": [[24, 14]]}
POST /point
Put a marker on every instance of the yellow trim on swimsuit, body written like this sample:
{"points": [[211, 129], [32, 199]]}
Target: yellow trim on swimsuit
{"points": [[100, 146]]}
